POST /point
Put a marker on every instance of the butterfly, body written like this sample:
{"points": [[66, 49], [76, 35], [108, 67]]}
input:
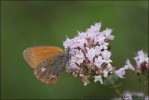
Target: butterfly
{"points": [[48, 62]]}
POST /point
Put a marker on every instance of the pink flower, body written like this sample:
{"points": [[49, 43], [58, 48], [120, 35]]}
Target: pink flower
{"points": [[81, 75], [78, 57], [98, 62], [127, 95], [141, 58], [120, 72], [107, 70], [85, 84], [95, 27], [99, 39], [107, 34], [106, 56], [73, 65], [129, 65], [141, 62], [81, 40], [98, 78], [90, 54], [97, 50], [67, 43]]}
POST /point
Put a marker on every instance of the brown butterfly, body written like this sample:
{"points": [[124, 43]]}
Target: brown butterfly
{"points": [[48, 62]]}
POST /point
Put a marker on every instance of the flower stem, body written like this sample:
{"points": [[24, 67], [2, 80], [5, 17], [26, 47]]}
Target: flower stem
{"points": [[116, 89], [145, 88], [145, 85]]}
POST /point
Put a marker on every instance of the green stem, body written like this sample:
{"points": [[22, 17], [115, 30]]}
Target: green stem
{"points": [[116, 89], [145, 85], [145, 88]]}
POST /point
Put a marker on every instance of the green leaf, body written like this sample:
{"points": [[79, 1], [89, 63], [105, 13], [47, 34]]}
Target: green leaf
{"points": [[112, 77], [119, 84]]}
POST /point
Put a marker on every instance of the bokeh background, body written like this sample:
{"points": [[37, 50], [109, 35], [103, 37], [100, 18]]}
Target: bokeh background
{"points": [[31, 23]]}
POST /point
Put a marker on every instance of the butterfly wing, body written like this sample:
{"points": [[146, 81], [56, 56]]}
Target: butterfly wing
{"points": [[49, 70], [35, 55]]}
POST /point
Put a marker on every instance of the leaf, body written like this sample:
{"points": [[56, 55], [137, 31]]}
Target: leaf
{"points": [[118, 85], [112, 77]]}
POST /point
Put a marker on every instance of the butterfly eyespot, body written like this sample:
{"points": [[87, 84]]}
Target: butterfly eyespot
{"points": [[43, 62], [48, 78]]}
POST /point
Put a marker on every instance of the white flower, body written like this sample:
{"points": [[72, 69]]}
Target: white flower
{"points": [[140, 58], [127, 95], [81, 40], [98, 78], [95, 27], [120, 72], [106, 56], [97, 50], [98, 62], [78, 58], [67, 42], [129, 65], [73, 65], [107, 34], [99, 38], [107, 70], [90, 54]]}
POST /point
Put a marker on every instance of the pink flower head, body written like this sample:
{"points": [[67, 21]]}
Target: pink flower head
{"points": [[141, 58], [89, 54], [142, 62]]}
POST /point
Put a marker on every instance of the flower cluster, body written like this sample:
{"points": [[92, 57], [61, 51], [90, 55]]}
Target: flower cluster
{"points": [[142, 63], [89, 54]]}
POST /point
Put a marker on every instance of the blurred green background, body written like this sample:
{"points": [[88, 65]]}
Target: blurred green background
{"points": [[31, 23]]}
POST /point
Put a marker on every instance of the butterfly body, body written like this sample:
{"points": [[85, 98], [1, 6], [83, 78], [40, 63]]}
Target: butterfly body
{"points": [[48, 62]]}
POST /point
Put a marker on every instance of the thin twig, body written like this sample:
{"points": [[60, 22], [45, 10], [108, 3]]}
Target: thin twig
{"points": [[116, 89]]}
